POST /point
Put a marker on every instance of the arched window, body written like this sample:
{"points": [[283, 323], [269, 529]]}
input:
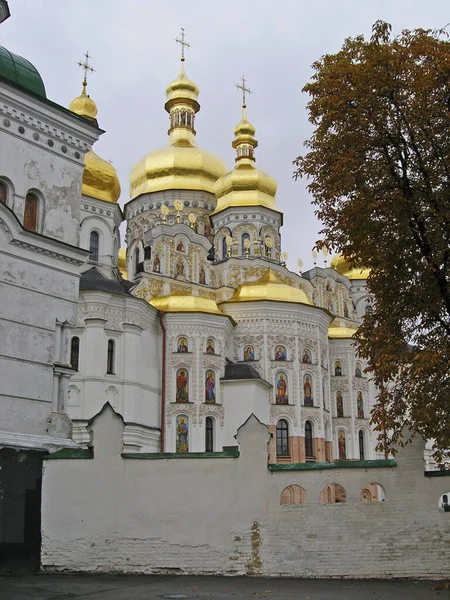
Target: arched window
{"points": [[136, 260], [209, 434], [293, 494], [30, 212], [110, 359], [245, 244], [75, 352], [361, 445], [369, 310], [308, 440], [224, 247], [3, 193], [338, 368], [282, 438], [94, 239]]}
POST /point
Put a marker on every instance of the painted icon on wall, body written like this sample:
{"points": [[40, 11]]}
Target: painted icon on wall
{"points": [[202, 276], [341, 445], [182, 382], [307, 390], [360, 405], [182, 444], [157, 264], [179, 268], [210, 387], [282, 396], [358, 370], [338, 368], [210, 346], [249, 353], [306, 356], [280, 352], [182, 345], [180, 247], [339, 404]]}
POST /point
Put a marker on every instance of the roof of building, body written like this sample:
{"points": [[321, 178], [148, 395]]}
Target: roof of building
{"points": [[240, 370], [93, 280], [20, 71]]}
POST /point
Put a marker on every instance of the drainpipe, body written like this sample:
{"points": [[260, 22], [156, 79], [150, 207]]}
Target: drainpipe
{"points": [[163, 382]]}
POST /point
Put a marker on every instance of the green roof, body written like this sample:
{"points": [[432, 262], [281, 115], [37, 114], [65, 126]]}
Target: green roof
{"points": [[20, 71]]}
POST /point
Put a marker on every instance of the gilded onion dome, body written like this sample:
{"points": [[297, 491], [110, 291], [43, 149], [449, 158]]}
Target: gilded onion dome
{"points": [[99, 176], [269, 287], [179, 302], [245, 185], [342, 266], [181, 165], [122, 262], [340, 330]]}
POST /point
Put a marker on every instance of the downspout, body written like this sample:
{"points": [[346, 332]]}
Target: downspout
{"points": [[163, 383]]}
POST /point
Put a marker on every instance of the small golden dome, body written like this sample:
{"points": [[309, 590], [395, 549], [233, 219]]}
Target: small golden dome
{"points": [[184, 89], [122, 262], [100, 178], [269, 287], [179, 302], [339, 330], [84, 106], [245, 185], [342, 266]]}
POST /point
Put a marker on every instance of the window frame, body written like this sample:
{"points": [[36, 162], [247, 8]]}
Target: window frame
{"points": [[309, 445], [282, 438], [75, 352], [209, 434], [94, 248], [111, 357]]}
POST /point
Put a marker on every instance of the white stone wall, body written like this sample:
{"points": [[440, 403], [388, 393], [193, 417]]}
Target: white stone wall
{"points": [[223, 516]]}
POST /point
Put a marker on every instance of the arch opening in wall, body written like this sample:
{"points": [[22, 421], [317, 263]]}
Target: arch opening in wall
{"points": [[281, 388], [359, 405], [309, 445], [333, 493], [111, 357], [210, 387], [94, 245], [444, 502], [339, 404], [338, 368], [182, 344], [75, 353], [182, 434], [182, 385], [30, 214], [308, 390], [224, 246], [245, 244], [249, 352], [373, 492], [293, 494], [358, 369], [306, 356], [342, 445], [280, 352], [3, 192], [209, 434], [282, 438], [362, 444], [210, 346]]}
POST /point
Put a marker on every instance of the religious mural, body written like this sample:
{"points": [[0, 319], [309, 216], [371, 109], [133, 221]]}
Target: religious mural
{"points": [[210, 387], [338, 368], [281, 389], [202, 276], [182, 383], [182, 345], [179, 269], [210, 346], [156, 264], [182, 444], [280, 353], [360, 405], [339, 404], [342, 445], [358, 370], [249, 353], [180, 247], [306, 356], [307, 390]]}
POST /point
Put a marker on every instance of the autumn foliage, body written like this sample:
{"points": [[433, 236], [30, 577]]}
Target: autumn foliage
{"points": [[378, 165]]}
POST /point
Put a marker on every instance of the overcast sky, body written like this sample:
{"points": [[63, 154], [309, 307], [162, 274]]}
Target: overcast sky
{"points": [[272, 42]]}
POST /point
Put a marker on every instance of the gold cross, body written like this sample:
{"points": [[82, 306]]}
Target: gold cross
{"points": [[244, 89], [86, 66], [182, 42]]}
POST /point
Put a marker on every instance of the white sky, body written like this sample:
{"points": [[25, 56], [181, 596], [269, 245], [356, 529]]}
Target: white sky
{"points": [[271, 42]]}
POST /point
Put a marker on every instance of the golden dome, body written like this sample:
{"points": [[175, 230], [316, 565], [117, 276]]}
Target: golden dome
{"points": [[179, 302], [342, 266], [122, 262], [84, 106], [245, 185], [339, 330], [181, 165], [100, 178], [269, 287]]}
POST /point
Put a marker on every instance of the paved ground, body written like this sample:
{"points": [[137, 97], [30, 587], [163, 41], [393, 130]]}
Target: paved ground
{"points": [[141, 587]]}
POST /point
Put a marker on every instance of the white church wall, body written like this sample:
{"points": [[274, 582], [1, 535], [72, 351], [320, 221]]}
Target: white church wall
{"points": [[223, 515]]}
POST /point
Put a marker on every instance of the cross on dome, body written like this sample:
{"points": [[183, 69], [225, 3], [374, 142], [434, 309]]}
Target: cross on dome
{"points": [[86, 67], [183, 43], [244, 89]]}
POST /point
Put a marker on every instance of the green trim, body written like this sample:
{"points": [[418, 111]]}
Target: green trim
{"points": [[338, 464], [443, 473], [69, 453], [168, 455]]}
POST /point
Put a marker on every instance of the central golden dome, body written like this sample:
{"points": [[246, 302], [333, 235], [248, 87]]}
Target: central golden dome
{"points": [[245, 185], [269, 287], [181, 165]]}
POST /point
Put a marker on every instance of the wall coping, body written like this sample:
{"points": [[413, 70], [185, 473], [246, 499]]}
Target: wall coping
{"points": [[177, 455], [71, 453], [338, 464], [440, 473]]}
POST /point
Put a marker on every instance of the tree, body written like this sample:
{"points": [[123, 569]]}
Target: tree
{"points": [[378, 164]]}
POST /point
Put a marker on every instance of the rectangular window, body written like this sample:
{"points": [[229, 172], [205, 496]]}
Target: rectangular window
{"points": [[110, 357]]}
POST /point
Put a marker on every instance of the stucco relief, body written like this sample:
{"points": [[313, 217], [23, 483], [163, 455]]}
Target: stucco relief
{"points": [[278, 411]]}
